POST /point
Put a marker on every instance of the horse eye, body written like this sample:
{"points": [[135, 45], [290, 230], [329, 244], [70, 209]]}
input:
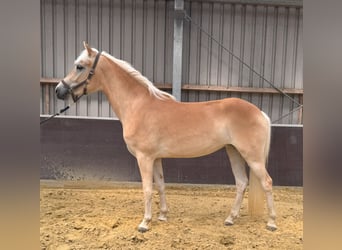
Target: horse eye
{"points": [[79, 67]]}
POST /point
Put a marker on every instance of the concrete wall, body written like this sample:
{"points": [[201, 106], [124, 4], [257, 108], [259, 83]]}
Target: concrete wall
{"points": [[93, 149]]}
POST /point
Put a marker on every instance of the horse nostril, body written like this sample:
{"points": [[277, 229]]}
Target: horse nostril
{"points": [[61, 92]]}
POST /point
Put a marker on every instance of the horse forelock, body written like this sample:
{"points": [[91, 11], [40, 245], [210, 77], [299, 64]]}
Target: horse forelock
{"points": [[140, 78]]}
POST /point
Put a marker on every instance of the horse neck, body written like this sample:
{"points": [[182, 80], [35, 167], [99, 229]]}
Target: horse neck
{"points": [[123, 91]]}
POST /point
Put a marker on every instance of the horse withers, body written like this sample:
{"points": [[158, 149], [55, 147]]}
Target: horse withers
{"points": [[156, 126]]}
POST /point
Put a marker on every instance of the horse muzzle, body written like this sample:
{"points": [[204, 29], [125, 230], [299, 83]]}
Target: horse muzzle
{"points": [[62, 91]]}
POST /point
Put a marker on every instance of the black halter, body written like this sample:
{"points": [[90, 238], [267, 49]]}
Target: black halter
{"points": [[85, 82]]}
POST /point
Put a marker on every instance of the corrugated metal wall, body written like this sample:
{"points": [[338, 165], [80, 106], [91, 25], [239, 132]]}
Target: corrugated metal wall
{"points": [[266, 37], [139, 32]]}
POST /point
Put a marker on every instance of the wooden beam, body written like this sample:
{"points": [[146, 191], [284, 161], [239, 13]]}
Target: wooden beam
{"points": [[52, 81], [285, 3], [239, 89], [193, 87]]}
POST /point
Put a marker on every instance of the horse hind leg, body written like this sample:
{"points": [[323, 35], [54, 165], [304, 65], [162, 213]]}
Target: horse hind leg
{"points": [[241, 181], [159, 182], [259, 171]]}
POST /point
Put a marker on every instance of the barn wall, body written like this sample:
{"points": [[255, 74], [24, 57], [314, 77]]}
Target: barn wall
{"points": [[93, 149], [139, 32], [267, 35], [268, 38]]}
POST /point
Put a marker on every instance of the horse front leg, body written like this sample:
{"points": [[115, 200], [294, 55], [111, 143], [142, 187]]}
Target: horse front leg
{"points": [[146, 172], [160, 184]]}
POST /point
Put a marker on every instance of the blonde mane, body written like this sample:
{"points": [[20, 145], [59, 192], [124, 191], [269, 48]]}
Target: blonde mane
{"points": [[140, 78]]}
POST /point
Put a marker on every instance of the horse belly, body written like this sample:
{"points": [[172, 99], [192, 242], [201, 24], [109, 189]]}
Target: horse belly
{"points": [[191, 147], [190, 152]]}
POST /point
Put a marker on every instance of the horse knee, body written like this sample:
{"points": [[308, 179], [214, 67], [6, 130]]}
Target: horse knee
{"points": [[269, 181], [241, 185], [160, 185], [147, 193], [161, 190]]}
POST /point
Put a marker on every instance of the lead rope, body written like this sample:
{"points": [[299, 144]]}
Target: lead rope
{"points": [[189, 19], [60, 111]]}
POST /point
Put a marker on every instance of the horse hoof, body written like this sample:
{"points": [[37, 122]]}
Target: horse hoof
{"points": [[142, 229], [271, 227], [162, 218], [228, 223]]}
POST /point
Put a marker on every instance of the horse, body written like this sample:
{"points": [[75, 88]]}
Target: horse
{"points": [[157, 126]]}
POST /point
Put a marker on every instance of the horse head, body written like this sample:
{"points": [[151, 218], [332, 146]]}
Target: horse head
{"points": [[80, 80]]}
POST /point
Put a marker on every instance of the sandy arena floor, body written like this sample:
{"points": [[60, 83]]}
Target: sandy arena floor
{"points": [[105, 216]]}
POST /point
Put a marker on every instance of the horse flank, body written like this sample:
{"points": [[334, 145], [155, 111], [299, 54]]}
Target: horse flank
{"points": [[161, 95]]}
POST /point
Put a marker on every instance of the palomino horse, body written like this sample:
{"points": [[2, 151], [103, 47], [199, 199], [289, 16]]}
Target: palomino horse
{"points": [[156, 126]]}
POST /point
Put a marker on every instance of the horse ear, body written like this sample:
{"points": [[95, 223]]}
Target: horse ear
{"points": [[86, 46]]}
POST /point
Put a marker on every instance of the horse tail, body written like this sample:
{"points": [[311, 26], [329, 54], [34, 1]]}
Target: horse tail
{"points": [[268, 138], [256, 192]]}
